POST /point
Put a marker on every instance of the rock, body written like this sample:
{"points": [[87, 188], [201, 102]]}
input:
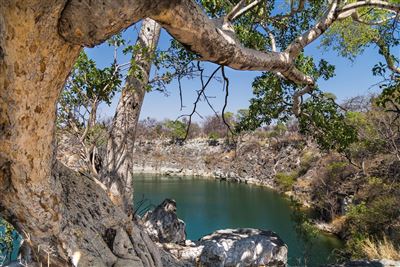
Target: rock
{"points": [[367, 263], [84, 258], [233, 247], [14, 264], [163, 225], [243, 247], [128, 263]]}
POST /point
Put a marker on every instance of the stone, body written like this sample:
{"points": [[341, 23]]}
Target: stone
{"points": [[243, 247], [163, 225], [128, 263], [368, 263], [233, 247]]}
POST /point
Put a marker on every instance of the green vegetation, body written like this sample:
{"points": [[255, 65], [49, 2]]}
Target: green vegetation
{"points": [[306, 160], [306, 230], [285, 181], [176, 129]]}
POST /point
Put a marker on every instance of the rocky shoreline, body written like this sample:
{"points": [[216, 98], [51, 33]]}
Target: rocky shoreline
{"points": [[227, 247], [288, 164], [252, 162]]}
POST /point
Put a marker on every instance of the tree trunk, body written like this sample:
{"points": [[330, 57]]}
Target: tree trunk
{"points": [[34, 63], [118, 168], [64, 218]]}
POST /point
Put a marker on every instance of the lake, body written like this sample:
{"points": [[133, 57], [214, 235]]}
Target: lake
{"points": [[208, 205]]}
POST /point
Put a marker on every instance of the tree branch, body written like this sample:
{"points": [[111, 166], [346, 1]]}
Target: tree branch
{"points": [[226, 85], [348, 9], [237, 12], [88, 23], [390, 59]]}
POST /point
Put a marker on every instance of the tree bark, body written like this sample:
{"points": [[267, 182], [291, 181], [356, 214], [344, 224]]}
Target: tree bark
{"points": [[118, 168], [34, 63], [66, 219]]}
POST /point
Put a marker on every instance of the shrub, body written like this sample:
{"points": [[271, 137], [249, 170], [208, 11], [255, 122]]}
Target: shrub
{"points": [[374, 218], [306, 160], [286, 180], [369, 224], [328, 188], [176, 129]]}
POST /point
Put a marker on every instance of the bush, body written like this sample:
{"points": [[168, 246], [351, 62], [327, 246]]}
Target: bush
{"points": [[369, 224], [286, 180], [176, 129], [374, 218], [306, 160], [329, 188]]}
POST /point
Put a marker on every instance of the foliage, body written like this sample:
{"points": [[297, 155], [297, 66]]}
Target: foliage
{"points": [[321, 118], [370, 221], [176, 129], [214, 127], [273, 95], [326, 189], [306, 160], [305, 230], [389, 99], [285, 181], [98, 134], [349, 38], [278, 130], [86, 87]]}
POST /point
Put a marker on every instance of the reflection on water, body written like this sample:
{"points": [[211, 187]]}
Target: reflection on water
{"points": [[208, 205]]}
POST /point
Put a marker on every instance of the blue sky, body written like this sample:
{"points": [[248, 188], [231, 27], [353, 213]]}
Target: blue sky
{"points": [[352, 79]]}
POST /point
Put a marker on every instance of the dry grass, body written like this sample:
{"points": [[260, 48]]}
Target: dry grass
{"points": [[381, 249]]}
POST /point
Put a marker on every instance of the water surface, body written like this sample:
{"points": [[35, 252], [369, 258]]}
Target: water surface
{"points": [[209, 205]]}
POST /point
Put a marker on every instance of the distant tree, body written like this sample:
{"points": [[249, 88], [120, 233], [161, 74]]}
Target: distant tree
{"points": [[214, 126], [86, 88], [176, 130]]}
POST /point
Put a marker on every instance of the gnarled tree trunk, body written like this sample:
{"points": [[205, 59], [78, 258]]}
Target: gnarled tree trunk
{"points": [[34, 63], [65, 218], [118, 168]]}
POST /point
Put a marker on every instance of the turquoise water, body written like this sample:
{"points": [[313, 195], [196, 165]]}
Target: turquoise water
{"points": [[8, 253], [208, 205]]}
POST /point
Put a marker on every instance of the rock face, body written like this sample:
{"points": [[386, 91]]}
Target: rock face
{"points": [[233, 247], [243, 247], [163, 225], [253, 162], [366, 263]]}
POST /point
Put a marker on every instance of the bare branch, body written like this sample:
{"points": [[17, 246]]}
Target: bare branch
{"points": [[201, 70], [356, 17], [297, 97], [237, 12], [196, 31], [226, 85], [295, 48], [348, 9], [199, 94]]}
